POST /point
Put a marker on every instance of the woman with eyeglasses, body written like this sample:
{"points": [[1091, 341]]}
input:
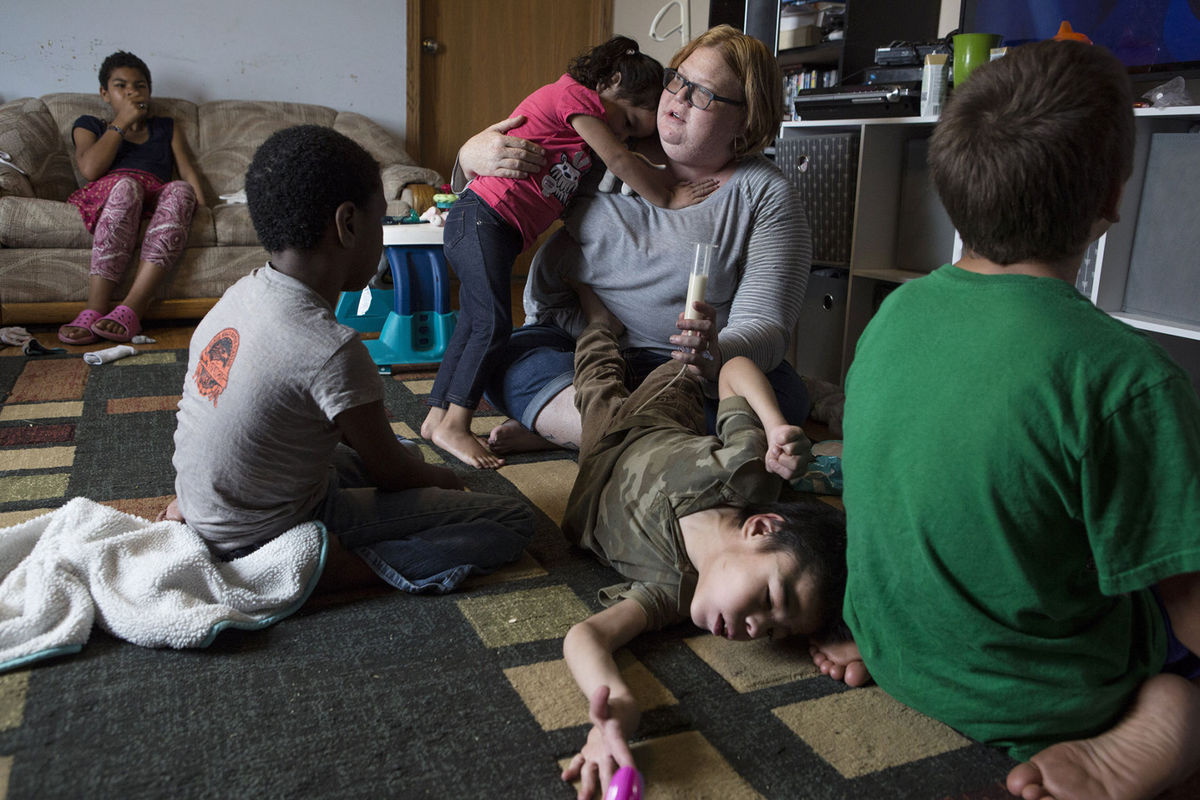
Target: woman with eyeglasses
{"points": [[721, 105]]}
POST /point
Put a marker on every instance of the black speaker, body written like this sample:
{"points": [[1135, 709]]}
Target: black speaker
{"points": [[824, 170]]}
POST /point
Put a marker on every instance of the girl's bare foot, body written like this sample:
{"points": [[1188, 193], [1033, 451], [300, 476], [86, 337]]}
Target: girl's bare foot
{"points": [[840, 661], [511, 436], [431, 422], [1155, 746], [465, 446]]}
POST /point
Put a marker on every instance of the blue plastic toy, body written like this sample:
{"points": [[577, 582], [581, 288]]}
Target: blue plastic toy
{"points": [[418, 328], [414, 319]]}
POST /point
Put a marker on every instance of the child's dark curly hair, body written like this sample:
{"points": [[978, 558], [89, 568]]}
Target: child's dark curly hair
{"points": [[298, 178], [641, 76], [122, 59]]}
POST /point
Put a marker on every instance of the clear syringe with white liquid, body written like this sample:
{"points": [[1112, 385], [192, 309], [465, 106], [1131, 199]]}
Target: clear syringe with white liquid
{"points": [[698, 281]]}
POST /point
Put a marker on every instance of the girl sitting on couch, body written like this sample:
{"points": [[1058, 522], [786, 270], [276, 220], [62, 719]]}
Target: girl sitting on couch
{"points": [[130, 161]]}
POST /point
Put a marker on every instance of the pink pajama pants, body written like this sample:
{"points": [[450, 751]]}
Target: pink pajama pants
{"points": [[116, 227]]}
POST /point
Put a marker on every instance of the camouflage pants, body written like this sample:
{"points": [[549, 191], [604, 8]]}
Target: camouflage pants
{"points": [[666, 398]]}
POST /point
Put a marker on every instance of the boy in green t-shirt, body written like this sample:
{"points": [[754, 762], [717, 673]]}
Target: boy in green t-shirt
{"points": [[1035, 583]]}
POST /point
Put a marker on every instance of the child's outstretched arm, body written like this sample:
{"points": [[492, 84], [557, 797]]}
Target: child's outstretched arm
{"points": [[649, 181], [788, 448], [588, 649], [391, 467]]}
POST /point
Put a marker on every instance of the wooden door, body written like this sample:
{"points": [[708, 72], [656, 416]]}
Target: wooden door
{"points": [[489, 56]]}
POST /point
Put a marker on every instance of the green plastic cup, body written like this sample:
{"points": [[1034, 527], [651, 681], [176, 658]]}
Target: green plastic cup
{"points": [[971, 50]]}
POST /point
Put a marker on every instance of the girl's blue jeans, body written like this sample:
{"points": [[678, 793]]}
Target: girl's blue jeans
{"points": [[480, 247]]}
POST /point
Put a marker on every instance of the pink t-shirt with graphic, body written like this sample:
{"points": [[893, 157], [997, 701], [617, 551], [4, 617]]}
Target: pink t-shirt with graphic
{"points": [[531, 203]]}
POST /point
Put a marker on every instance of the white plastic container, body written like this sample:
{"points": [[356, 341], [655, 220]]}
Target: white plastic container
{"points": [[933, 84]]}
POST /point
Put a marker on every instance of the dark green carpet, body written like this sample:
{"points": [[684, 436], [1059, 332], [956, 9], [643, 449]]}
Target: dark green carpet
{"points": [[382, 694]]}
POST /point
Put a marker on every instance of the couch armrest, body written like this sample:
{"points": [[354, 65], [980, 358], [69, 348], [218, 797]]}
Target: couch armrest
{"points": [[397, 176], [14, 184], [30, 137]]}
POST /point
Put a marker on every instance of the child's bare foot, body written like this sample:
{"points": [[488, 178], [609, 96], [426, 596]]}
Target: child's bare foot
{"points": [[465, 446], [1155, 746], [840, 661], [431, 422], [171, 512], [511, 436]]}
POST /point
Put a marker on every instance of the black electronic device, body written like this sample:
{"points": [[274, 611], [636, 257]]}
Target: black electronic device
{"points": [[894, 75], [896, 55], [867, 101], [900, 54]]}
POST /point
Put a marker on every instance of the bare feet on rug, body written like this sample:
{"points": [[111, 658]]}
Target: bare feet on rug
{"points": [[1155, 746], [511, 436], [430, 424], [171, 512], [466, 447], [840, 661], [451, 431]]}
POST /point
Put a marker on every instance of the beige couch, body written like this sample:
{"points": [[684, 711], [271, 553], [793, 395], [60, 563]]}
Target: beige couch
{"points": [[45, 249]]}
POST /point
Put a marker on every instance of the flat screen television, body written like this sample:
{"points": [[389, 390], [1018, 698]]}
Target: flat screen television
{"points": [[1154, 38]]}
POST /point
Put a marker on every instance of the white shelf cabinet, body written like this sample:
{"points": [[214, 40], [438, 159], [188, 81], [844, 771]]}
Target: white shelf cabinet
{"points": [[900, 230]]}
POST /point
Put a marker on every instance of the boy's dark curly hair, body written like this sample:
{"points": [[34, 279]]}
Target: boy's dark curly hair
{"points": [[298, 178], [815, 533], [641, 75], [122, 59]]}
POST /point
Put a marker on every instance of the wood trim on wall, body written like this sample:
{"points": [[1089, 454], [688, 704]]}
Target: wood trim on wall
{"points": [[412, 70], [59, 312]]}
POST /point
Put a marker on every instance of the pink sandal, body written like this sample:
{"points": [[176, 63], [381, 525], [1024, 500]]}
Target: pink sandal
{"points": [[85, 319], [123, 316]]}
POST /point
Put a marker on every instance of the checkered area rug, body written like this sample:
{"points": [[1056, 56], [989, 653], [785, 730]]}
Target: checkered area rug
{"points": [[381, 694]]}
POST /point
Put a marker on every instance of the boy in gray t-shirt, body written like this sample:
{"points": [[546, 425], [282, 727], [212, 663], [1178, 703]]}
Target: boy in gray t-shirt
{"points": [[276, 389]]}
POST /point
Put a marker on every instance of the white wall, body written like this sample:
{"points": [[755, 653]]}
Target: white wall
{"points": [[632, 18], [347, 55]]}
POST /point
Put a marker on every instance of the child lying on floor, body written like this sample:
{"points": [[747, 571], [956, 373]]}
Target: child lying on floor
{"points": [[275, 386], [691, 520]]}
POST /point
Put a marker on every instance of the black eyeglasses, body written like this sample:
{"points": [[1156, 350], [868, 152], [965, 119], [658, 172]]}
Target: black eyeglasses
{"points": [[699, 96]]}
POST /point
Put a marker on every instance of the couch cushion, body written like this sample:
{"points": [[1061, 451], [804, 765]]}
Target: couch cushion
{"points": [[32, 222], [29, 135], [233, 226], [231, 130]]}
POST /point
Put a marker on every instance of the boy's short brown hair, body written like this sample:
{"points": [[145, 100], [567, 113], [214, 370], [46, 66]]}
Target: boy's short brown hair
{"points": [[1030, 149]]}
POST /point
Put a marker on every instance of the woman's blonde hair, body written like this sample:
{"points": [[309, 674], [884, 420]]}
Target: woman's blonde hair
{"points": [[756, 68]]}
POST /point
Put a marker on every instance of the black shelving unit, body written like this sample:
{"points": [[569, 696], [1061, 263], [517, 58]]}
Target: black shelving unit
{"points": [[869, 24]]}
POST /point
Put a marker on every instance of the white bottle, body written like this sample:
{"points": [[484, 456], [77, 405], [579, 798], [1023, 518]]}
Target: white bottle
{"points": [[698, 281]]}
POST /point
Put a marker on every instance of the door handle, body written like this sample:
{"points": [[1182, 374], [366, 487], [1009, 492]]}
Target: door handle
{"points": [[430, 46]]}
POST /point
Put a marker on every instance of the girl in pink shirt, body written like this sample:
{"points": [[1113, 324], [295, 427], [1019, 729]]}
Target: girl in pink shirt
{"points": [[609, 95]]}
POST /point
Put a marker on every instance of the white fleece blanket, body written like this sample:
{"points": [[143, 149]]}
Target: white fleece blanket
{"points": [[151, 583]]}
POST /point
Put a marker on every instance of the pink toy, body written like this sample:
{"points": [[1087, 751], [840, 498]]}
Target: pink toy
{"points": [[626, 785]]}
